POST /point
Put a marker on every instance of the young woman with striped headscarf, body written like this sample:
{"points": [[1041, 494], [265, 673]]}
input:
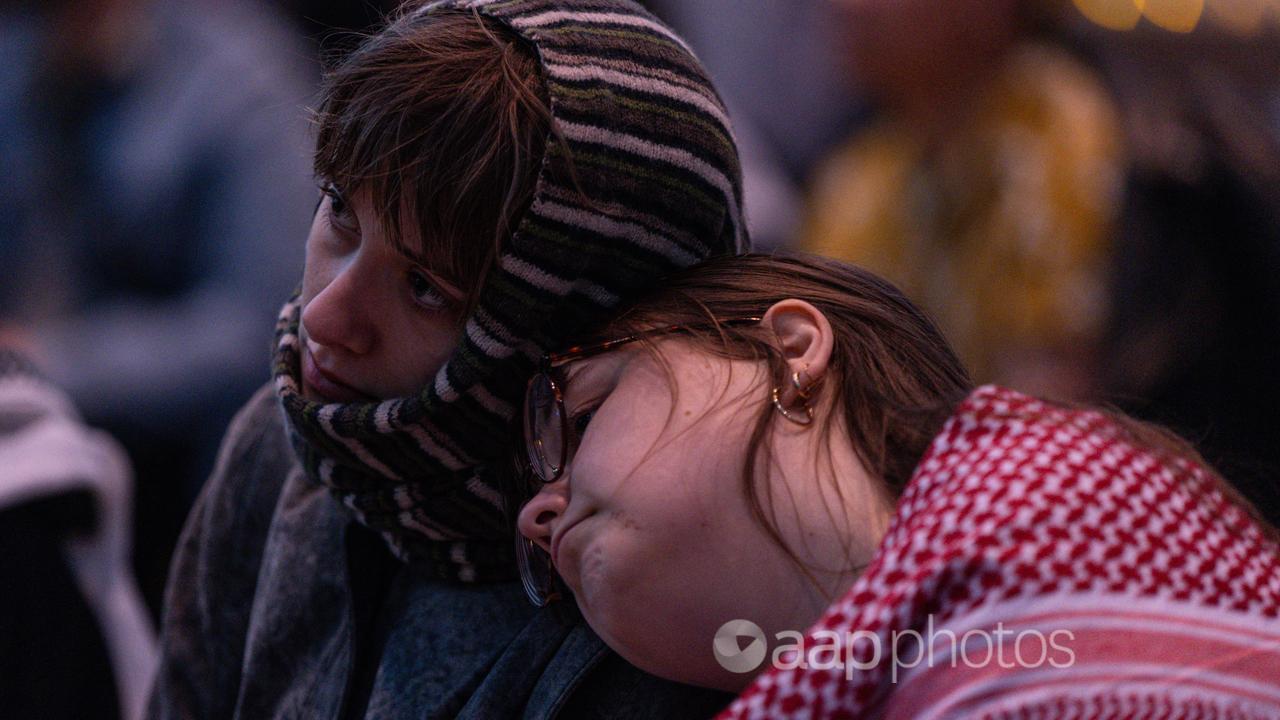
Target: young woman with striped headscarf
{"points": [[496, 176]]}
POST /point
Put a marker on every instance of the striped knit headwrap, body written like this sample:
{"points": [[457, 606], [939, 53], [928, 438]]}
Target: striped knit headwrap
{"points": [[658, 188]]}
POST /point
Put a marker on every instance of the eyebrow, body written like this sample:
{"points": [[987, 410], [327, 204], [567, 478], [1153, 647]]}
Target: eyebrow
{"points": [[403, 251]]}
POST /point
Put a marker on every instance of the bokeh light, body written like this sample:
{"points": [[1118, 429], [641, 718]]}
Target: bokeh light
{"points": [[1239, 17], [1111, 14], [1180, 16]]}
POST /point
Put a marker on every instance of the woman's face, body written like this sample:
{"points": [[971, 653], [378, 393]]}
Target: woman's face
{"points": [[650, 526], [376, 324]]}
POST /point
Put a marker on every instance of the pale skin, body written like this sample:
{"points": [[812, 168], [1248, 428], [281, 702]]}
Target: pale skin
{"points": [[650, 525], [376, 324]]}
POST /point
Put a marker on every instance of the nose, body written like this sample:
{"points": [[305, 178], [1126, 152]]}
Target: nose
{"points": [[337, 316], [539, 517]]}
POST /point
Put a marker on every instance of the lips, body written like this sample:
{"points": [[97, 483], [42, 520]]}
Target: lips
{"points": [[557, 542], [328, 386]]}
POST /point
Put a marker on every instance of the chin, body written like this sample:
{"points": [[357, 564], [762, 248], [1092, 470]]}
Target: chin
{"points": [[649, 645], [689, 669], [309, 394]]}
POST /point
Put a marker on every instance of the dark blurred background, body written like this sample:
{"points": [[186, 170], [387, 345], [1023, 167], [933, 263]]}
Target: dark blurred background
{"points": [[1085, 194]]}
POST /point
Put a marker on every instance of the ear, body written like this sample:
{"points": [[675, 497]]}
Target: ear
{"points": [[805, 340]]}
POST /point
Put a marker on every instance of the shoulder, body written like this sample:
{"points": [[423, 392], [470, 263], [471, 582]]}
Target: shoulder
{"points": [[225, 534], [1005, 461], [1023, 498], [881, 150], [256, 433], [1029, 515], [239, 497], [853, 209], [45, 447], [213, 576]]}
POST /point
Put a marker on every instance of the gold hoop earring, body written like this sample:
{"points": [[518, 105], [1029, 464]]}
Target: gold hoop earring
{"points": [[777, 405]]}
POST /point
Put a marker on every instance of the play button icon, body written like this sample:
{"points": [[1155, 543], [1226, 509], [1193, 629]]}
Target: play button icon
{"points": [[739, 646]]}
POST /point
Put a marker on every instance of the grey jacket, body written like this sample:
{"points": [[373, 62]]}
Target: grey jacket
{"points": [[279, 606]]}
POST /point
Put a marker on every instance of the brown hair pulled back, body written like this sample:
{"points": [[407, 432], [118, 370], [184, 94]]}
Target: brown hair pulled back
{"points": [[892, 374], [893, 379]]}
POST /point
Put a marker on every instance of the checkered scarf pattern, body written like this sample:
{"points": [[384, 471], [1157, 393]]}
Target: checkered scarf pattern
{"points": [[652, 149], [1027, 520]]}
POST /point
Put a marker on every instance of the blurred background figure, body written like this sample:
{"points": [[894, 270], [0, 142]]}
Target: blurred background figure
{"points": [[988, 186], [1090, 214], [75, 638], [157, 196], [779, 62]]}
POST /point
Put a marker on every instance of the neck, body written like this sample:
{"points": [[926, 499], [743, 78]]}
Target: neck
{"points": [[841, 514]]}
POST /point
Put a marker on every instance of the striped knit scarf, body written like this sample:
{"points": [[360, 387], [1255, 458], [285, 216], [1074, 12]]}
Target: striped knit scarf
{"points": [[657, 188]]}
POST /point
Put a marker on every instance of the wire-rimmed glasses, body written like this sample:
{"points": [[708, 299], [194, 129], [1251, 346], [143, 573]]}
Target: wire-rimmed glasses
{"points": [[550, 444]]}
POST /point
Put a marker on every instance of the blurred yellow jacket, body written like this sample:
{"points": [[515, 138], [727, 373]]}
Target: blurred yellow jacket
{"points": [[1002, 231]]}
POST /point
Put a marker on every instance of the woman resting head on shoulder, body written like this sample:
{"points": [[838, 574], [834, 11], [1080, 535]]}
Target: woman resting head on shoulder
{"points": [[789, 441]]}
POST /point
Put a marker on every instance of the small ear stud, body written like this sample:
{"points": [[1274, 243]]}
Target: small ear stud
{"points": [[801, 391]]}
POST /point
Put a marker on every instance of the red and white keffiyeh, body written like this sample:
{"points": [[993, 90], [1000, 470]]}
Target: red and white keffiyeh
{"points": [[1024, 520]]}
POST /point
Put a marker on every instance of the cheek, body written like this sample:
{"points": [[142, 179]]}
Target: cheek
{"points": [[652, 599], [662, 483], [663, 571], [642, 457], [662, 567], [425, 347]]}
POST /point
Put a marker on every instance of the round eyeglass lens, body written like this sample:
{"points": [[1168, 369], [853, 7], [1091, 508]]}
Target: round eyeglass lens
{"points": [[536, 573], [544, 428]]}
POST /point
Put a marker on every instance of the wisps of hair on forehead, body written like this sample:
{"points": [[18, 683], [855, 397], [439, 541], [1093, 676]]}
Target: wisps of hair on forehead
{"points": [[442, 119]]}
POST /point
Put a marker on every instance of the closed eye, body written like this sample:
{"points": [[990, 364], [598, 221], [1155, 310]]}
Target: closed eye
{"points": [[579, 422]]}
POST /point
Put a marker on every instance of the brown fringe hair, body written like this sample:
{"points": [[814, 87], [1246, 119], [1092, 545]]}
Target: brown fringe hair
{"points": [[444, 118]]}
